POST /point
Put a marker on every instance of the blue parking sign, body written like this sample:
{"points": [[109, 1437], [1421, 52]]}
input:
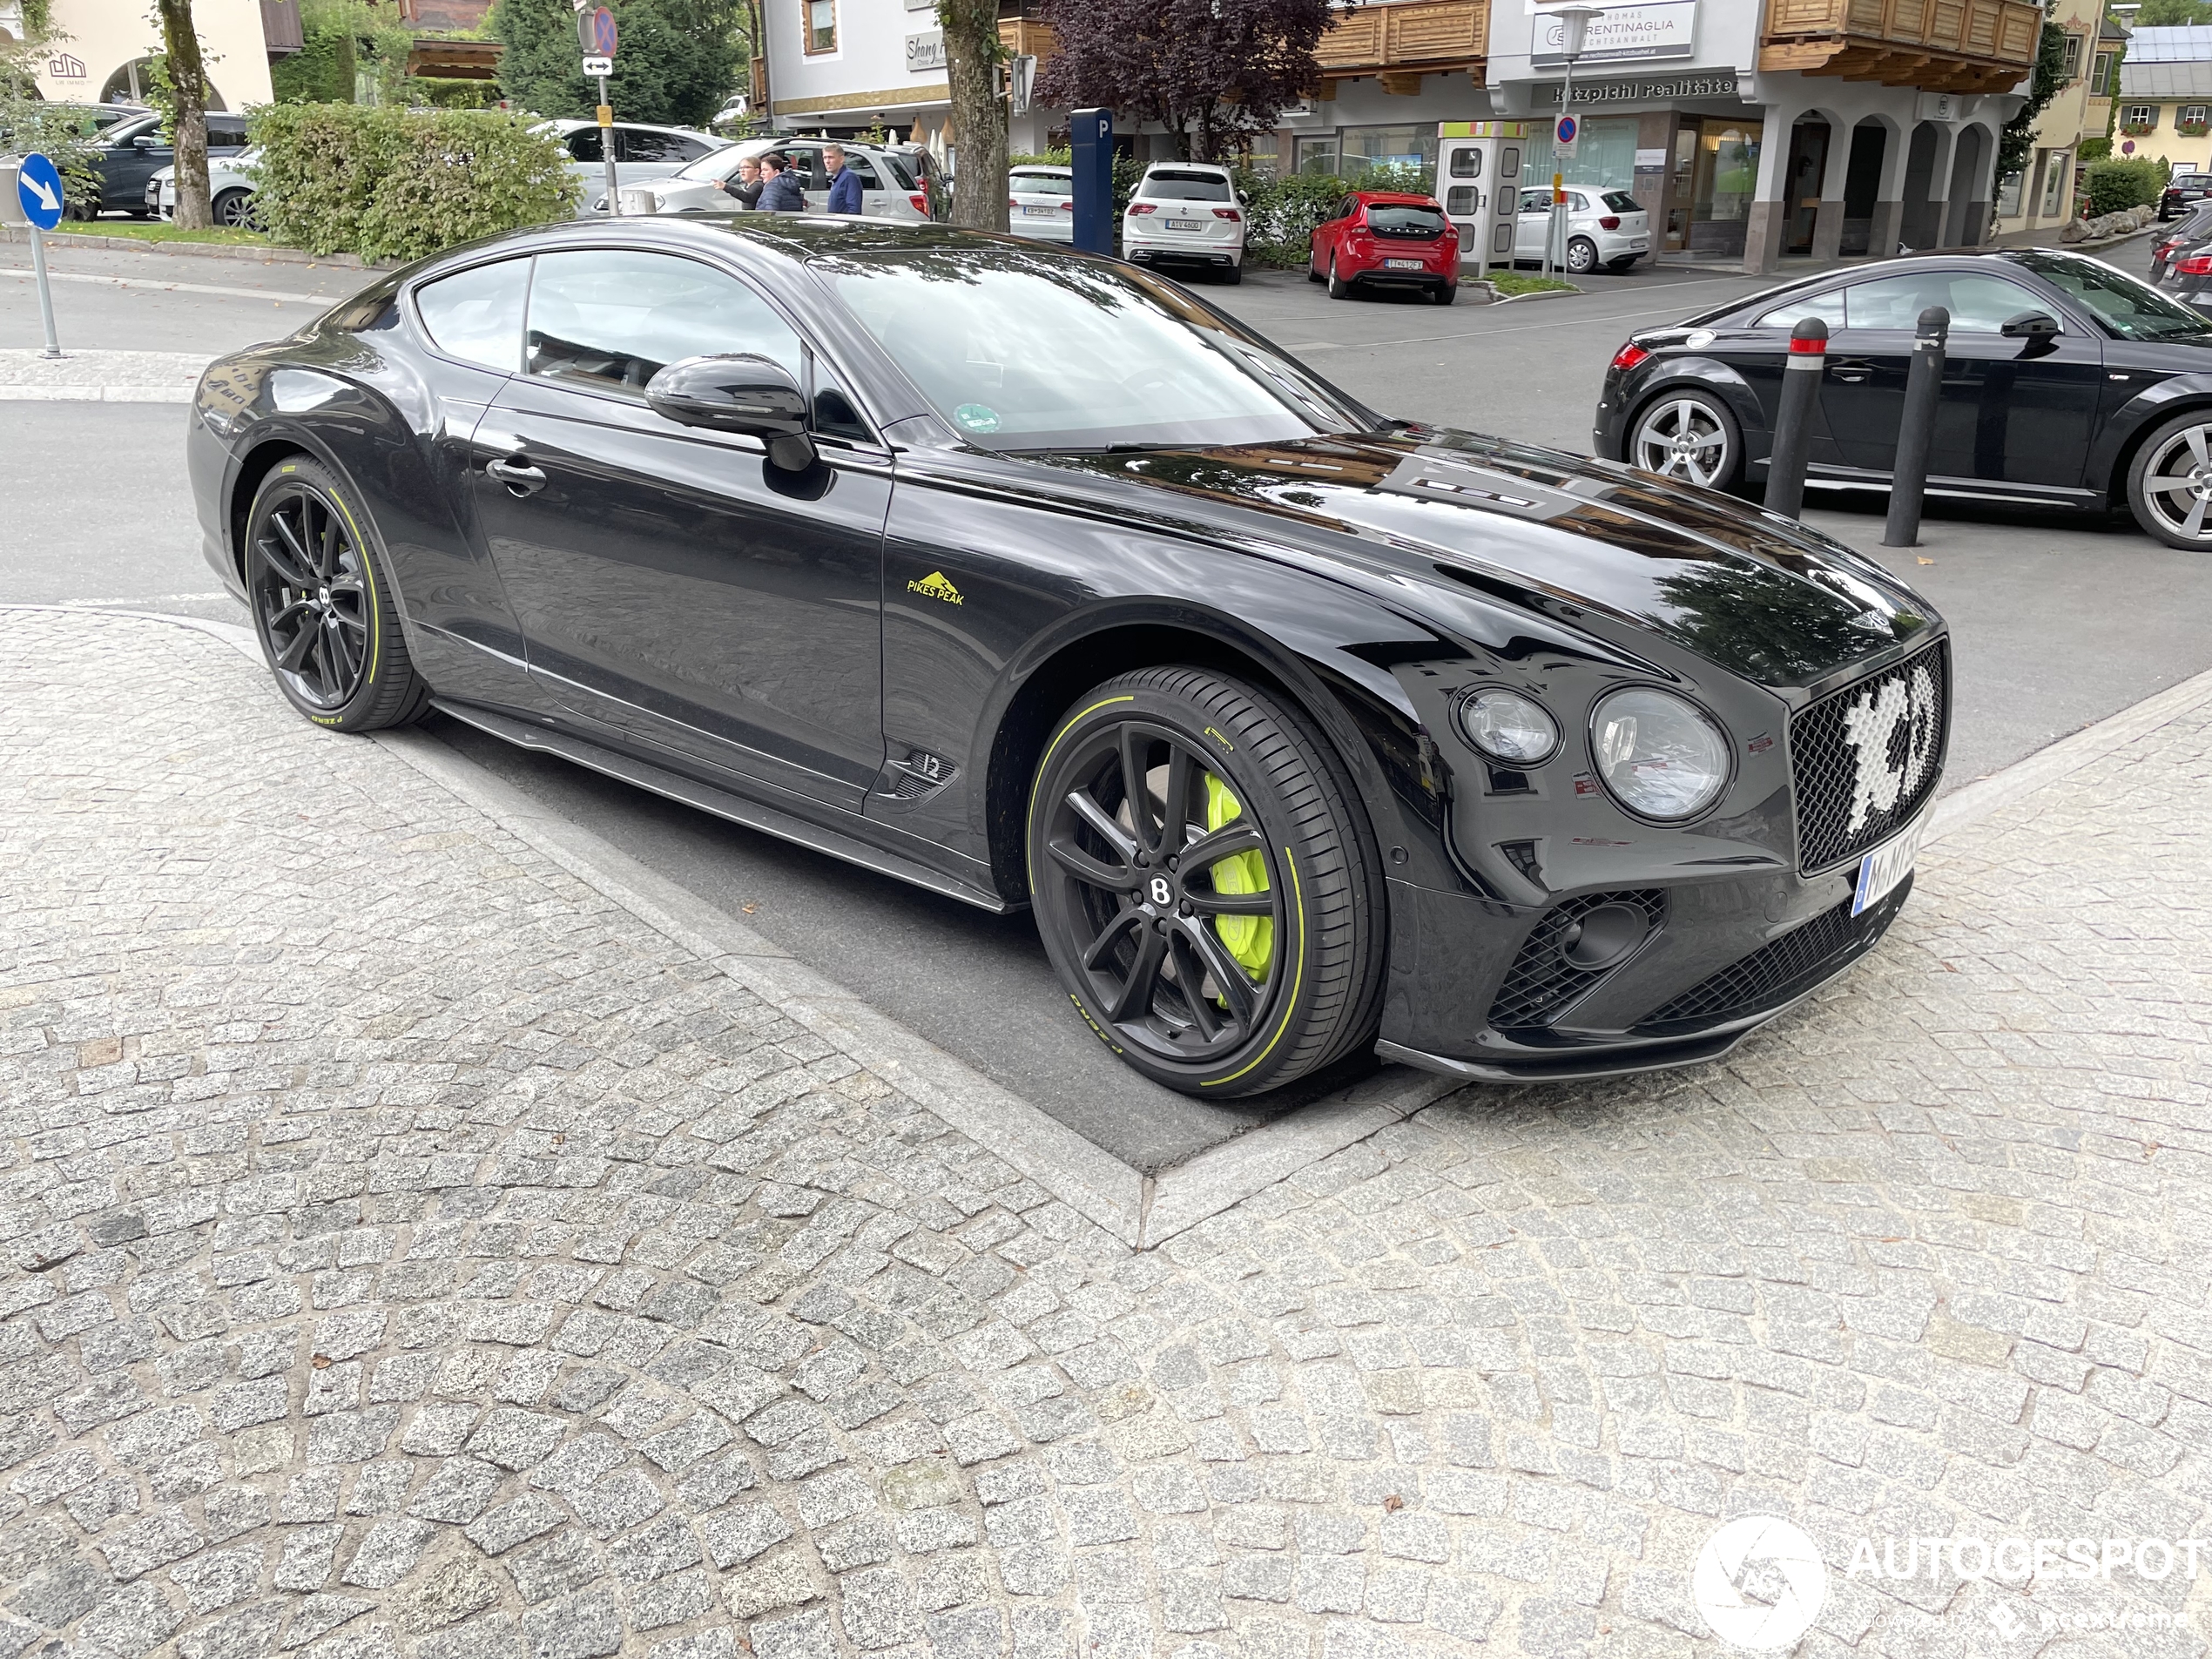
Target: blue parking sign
{"points": [[38, 185]]}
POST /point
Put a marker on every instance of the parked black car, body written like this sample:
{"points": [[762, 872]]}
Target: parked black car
{"points": [[2195, 226], [1027, 576], [2067, 384], [130, 152], [2183, 192]]}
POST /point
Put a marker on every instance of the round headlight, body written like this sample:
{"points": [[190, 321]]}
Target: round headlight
{"points": [[1659, 755], [1509, 727]]}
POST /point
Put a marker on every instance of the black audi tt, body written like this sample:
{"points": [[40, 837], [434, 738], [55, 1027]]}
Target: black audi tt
{"points": [[1026, 576], [2067, 384]]}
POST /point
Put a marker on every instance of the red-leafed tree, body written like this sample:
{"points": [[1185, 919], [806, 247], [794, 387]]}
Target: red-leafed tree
{"points": [[1210, 70]]}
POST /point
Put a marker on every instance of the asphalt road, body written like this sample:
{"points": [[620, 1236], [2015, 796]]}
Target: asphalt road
{"points": [[2056, 624]]}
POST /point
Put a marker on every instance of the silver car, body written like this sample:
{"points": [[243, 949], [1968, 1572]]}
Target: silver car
{"points": [[887, 190], [641, 151], [1041, 202]]}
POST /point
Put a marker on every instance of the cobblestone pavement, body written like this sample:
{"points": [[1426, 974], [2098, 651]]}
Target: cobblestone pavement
{"points": [[404, 1251]]}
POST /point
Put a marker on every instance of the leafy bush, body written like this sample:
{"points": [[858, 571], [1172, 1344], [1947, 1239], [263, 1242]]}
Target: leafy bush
{"points": [[1283, 210], [2115, 187], [63, 136], [386, 183], [1398, 175], [2091, 149]]}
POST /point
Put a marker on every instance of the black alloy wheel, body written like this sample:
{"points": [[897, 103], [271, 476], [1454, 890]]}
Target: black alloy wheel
{"points": [[322, 607], [1205, 884]]}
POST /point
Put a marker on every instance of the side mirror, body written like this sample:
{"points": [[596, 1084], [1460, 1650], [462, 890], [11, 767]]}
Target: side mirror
{"points": [[2030, 325], [743, 392], [144, 141]]}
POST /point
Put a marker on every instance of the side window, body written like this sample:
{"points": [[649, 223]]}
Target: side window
{"points": [[1577, 202], [226, 135], [1459, 201], [835, 415], [1894, 302], [636, 144], [476, 315], [609, 319], [1467, 164], [1536, 201], [583, 144], [1979, 305], [1828, 307], [858, 167]]}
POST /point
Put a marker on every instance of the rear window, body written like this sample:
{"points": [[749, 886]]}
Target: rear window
{"points": [[1041, 180], [1399, 220], [1619, 201], [1186, 187]]}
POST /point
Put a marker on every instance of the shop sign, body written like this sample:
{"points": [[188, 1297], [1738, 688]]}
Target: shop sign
{"points": [[1619, 32], [925, 51], [1665, 89]]}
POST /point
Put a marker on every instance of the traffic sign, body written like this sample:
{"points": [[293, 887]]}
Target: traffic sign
{"points": [[1565, 131], [601, 32], [38, 186], [594, 67]]}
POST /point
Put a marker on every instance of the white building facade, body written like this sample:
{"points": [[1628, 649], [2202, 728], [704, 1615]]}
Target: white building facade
{"points": [[97, 51]]}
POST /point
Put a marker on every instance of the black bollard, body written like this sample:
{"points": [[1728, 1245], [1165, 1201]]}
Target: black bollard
{"points": [[1785, 471], [1916, 432]]}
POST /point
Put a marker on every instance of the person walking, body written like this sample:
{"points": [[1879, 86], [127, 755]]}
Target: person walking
{"points": [[746, 188], [844, 184], [779, 190]]}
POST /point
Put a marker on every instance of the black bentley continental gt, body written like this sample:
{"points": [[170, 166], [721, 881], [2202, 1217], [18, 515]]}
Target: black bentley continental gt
{"points": [[2066, 385], [1028, 576]]}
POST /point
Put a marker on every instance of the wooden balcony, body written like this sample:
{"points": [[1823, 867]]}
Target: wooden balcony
{"points": [[1937, 45], [1026, 37], [1400, 41]]}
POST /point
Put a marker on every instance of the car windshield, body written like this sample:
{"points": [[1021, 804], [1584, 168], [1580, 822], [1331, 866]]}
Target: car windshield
{"points": [[1031, 350], [1184, 187], [2128, 308]]}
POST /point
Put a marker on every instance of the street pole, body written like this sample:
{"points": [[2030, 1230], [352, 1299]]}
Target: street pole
{"points": [[45, 292], [607, 147], [1574, 24]]}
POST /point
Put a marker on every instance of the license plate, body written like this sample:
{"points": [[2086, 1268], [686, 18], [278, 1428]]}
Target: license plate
{"points": [[1401, 265], [1038, 213], [1883, 868], [1186, 223]]}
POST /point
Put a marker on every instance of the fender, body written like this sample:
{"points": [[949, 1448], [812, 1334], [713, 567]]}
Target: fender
{"points": [[1705, 374], [2114, 444]]}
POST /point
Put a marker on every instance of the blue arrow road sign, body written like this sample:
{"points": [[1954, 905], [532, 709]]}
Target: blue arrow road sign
{"points": [[39, 185]]}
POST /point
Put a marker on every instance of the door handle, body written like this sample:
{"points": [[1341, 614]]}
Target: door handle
{"points": [[1852, 370], [520, 477]]}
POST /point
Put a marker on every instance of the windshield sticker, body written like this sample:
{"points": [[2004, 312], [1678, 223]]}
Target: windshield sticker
{"points": [[977, 417]]}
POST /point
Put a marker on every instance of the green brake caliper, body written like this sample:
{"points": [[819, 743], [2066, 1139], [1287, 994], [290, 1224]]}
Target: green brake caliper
{"points": [[1250, 939]]}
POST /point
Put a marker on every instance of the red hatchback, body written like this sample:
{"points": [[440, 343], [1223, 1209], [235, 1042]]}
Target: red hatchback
{"points": [[1383, 238]]}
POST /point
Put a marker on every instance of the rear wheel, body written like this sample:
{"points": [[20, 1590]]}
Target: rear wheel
{"points": [[1233, 275], [1445, 293], [2169, 483], [1621, 268], [1690, 435], [1205, 883], [1339, 288], [323, 606]]}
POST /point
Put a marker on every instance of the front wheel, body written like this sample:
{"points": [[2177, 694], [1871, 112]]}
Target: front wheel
{"points": [[323, 605], [2169, 483], [1581, 256], [1205, 883], [233, 210], [1690, 435]]}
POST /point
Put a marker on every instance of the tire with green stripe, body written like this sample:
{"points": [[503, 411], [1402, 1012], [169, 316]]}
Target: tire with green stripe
{"points": [[1206, 883], [324, 609]]}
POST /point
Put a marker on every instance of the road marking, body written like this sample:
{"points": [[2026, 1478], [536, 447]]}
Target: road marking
{"points": [[278, 294]]}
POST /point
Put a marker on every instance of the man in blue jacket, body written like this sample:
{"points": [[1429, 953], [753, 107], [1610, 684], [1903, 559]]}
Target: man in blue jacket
{"points": [[844, 184], [782, 193]]}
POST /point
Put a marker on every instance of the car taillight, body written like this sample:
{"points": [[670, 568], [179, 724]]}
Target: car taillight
{"points": [[1628, 356], [921, 202], [1134, 208], [1229, 213], [1610, 222], [2195, 265], [1066, 207]]}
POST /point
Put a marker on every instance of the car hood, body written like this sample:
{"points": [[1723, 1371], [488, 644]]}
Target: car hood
{"points": [[1762, 597]]}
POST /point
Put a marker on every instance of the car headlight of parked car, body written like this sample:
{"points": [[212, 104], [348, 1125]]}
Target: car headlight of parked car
{"points": [[1659, 755], [1507, 727]]}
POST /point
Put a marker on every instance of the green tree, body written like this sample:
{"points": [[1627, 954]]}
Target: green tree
{"points": [[973, 53], [187, 105], [2017, 142], [678, 59], [2167, 14]]}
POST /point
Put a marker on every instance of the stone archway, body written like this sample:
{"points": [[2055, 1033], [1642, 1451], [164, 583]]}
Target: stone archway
{"points": [[133, 83], [1870, 143], [1803, 172], [1921, 222], [1967, 216]]}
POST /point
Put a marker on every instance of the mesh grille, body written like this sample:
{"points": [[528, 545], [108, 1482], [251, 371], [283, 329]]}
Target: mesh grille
{"points": [[1779, 970], [1865, 758], [1541, 982]]}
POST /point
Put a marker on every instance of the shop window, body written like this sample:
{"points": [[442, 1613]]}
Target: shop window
{"points": [[2009, 191], [1605, 154], [2053, 183], [1316, 156], [1361, 150], [820, 25]]}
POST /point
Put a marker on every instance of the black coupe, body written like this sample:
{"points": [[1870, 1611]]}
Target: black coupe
{"points": [[2066, 384], [1027, 576]]}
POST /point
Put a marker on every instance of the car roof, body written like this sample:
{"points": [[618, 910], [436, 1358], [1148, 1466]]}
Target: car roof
{"points": [[1186, 166], [1880, 268], [1395, 198], [567, 124]]}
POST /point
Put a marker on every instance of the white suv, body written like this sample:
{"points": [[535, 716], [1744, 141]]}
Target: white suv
{"points": [[1186, 213]]}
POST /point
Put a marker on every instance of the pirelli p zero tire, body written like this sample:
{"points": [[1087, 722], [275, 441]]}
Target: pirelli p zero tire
{"points": [[1206, 882], [322, 603]]}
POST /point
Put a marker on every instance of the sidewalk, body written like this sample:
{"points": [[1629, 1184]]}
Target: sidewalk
{"points": [[408, 1252]]}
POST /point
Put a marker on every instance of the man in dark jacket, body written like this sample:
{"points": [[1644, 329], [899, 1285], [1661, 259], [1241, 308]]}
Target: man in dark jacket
{"points": [[844, 184], [781, 193]]}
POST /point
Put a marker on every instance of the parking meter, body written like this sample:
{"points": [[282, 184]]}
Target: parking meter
{"points": [[1478, 179], [1090, 137]]}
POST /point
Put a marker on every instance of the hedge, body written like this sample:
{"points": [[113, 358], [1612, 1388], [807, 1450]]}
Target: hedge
{"points": [[387, 182], [2115, 187]]}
